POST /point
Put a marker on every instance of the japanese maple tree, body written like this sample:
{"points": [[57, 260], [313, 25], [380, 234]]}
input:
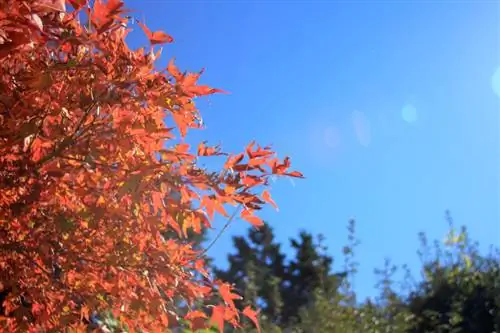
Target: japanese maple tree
{"points": [[90, 175]]}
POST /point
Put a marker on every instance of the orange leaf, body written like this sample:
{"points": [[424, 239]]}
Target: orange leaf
{"points": [[77, 4], [157, 37], [181, 123], [195, 314], [249, 217], [251, 180], [204, 90], [191, 78], [249, 148], [174, 71], [196, 319], [57, 5], [200, 266], [204, 150], [252, 315], [103, 15], [256, 161], [37, 149], [220, 208], [157, 198], [207, 203], [227, 295], [84, 312], [233, 160], [36, 308], [101, 200], [295, 174], [182, 148], [217, 317], [267, 198]]}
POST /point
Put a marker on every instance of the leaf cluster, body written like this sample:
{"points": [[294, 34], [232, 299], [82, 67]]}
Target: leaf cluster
{"points": [[92, 180]]}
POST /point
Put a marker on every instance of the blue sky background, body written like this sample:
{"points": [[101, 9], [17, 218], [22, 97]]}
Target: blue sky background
{"points": [[390, 109]]}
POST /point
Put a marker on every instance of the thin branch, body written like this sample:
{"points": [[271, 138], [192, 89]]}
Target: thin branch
{"points": [[90, 162], [21, 250], [69, 140], [228, 223]]}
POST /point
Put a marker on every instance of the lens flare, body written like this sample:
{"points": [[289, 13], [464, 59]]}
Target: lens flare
{"points": [[409, 113], [361, 128], [495, 81]]}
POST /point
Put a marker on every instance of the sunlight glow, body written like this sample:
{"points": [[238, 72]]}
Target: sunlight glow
{"points": [[331, 137]]}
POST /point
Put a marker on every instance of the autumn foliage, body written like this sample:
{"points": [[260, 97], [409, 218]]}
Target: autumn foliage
{"points": [[91, 176]]}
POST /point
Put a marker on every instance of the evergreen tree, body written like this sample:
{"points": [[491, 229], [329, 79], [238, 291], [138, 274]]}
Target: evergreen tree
{"points": [[257, 270], [261, 273]]}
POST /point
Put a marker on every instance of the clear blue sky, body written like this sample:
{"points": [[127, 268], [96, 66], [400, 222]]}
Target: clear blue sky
{"points": [[390, 109]]}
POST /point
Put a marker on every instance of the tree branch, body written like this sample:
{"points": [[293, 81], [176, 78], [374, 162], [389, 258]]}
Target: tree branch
{"points": [[71, 139]]}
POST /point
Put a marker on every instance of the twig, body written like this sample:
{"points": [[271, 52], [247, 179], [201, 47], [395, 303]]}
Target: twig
{"points": [[90, 162], [220, 232], [69, 140]]}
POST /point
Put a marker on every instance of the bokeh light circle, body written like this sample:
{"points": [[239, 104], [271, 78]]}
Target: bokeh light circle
{"points": [[409, 113], [495, 81]]}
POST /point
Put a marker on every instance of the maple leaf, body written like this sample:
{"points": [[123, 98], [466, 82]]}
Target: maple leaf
{"points": [[57, 5], [104, 14], [252, 315], [204, 150], [157, 201], [157, 37], [233, 160], [84, 313], [217, 317], [227, 296], [213, 204], [203, 90], [182, 148], [39, 148], [295, 174], [251, 180], [36, 308], [174, 71], [181, 123], [195, 314], [77, 4], [249, 217], [267, 197], [197, 320]]}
